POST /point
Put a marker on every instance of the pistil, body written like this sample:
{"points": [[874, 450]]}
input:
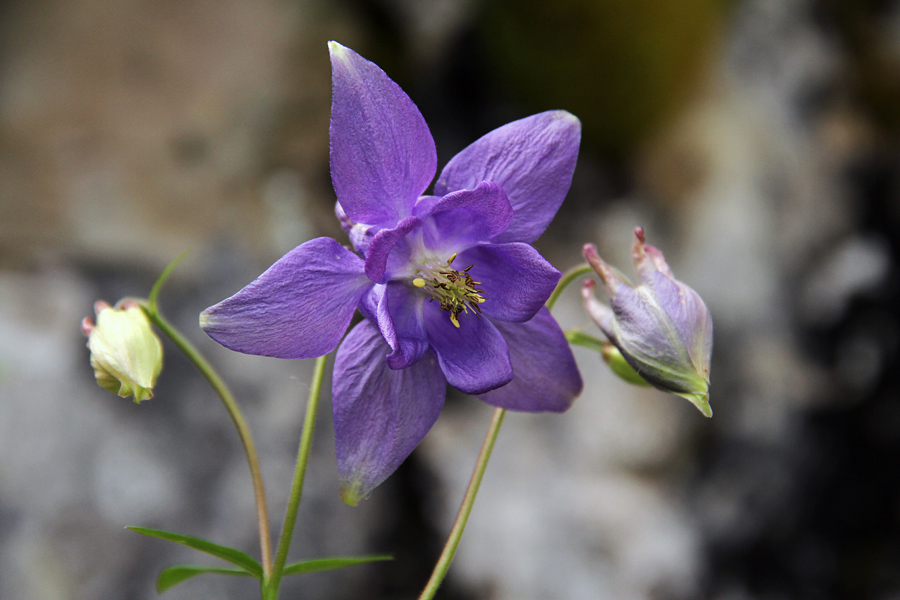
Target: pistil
{"points": [[456, 291]]}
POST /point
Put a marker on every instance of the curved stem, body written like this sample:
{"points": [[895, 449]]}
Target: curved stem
{"points": [[443, 564], [235, 413], [567, 278], [290, 517]]}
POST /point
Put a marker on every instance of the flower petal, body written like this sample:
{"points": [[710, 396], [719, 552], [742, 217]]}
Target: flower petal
{"points": [[299, 308], [401, 323], [689, 315], [679, 301], [360, 235], [650, 341], [473, 356], [368, 304], [380, 414], [515, 278], [463, 218], [601, 314], [382, 153], [379, 250], [532, 158], [546, 378]]}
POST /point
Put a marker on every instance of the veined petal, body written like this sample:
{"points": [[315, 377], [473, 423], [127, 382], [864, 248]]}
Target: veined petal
{"points": [[532, 158], [360, 235], [379, 250], [545, 377], [515, 278], [601, 314], [382, 153], [400, 320], [689, 315], [368, 304], [299, 308], [424, 206], [473, 356], [380, 414], [651, 342], [679, 302], [463, 218]]}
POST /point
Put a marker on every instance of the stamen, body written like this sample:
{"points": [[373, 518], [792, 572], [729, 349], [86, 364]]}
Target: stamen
{"points": [[455, 291]]}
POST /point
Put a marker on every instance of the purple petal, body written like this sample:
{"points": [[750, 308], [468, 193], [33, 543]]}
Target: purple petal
{"points": [[463, 218], [533, 159], [360, 235], [368, 304], [379, 250], [601, 314], [401, 323], [473, 356], [546, 378], [424, 206], [382, 154], [380, 415], [515, 278], [678, 301], [689, 315], [299, 308]]}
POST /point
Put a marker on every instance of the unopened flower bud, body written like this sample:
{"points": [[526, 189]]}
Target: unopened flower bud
{"points": [[125, 352], [661, 327]]}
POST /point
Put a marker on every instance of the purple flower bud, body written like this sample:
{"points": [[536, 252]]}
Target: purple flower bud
{"points": [[661, 326]]}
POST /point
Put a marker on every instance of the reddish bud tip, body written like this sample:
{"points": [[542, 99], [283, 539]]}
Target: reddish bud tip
{"points": [[639, 233], [87, 325]]}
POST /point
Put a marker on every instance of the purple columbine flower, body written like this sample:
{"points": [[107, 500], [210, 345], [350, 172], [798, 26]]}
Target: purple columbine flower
{"points": [[449, 286], [661, 326]]}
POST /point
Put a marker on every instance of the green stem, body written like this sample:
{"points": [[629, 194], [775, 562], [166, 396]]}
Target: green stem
{"points": [[567, 278], [443, 564], [235, 413], [290, 518]]}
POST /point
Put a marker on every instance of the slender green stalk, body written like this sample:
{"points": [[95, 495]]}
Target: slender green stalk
{"points": [[462, 517], [273, 581], [567, 278], [443, 564], [240, 423]]}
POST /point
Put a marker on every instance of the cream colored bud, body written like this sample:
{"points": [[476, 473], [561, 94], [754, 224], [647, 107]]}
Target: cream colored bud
{"points": [[125, 352]]}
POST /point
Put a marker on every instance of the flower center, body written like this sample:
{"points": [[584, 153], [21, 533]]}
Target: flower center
{"points": [[455, 290]]}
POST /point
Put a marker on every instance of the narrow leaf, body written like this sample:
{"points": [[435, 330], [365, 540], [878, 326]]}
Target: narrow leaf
{"points": [[154, 293], [235, 557], [328, 564], [172, 576]]}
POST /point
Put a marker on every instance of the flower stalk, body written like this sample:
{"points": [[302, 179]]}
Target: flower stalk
{"points": [[465, 509], [221, 389], [273, 581], [567, 278], [487, 447]]}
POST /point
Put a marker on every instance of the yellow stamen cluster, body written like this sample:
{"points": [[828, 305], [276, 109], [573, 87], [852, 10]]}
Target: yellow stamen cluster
{"points": [[455, 290]]}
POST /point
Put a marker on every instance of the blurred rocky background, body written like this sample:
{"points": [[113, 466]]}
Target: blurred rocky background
{"points": [[757, 143]]}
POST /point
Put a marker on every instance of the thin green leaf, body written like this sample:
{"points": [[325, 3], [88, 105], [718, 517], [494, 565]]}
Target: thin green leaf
{"points": [[328, 564], [172, 576], [235, 557], [154, 292]]}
